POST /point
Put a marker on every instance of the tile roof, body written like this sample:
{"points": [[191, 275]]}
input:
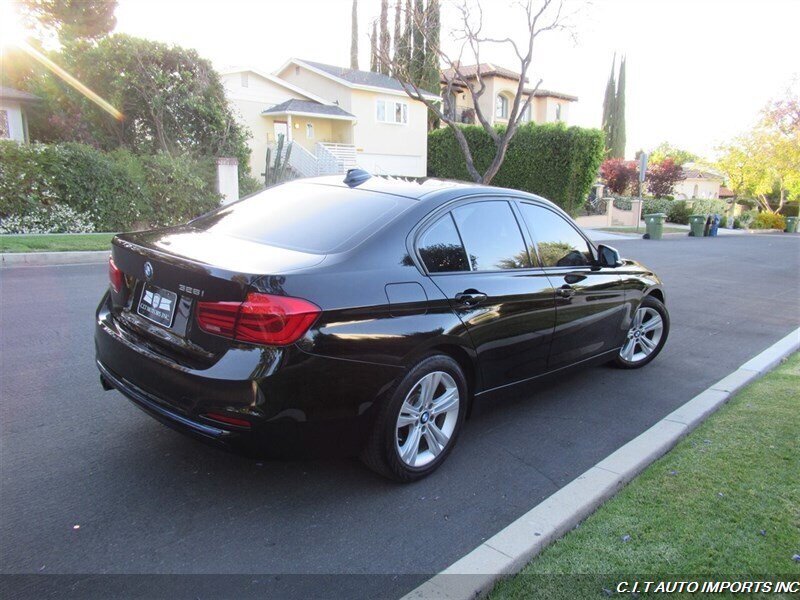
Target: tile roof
{"points": [[490, 70]]}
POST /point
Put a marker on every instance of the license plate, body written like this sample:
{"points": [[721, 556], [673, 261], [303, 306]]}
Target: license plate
{"points": [[157, 305]]}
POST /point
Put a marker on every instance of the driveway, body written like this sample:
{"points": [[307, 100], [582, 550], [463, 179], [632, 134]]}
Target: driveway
{"points": [[91, 485]]}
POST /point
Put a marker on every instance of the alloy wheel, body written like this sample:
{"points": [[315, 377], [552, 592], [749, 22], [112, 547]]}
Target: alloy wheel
{"points": [[427, 419], [643, 336]]}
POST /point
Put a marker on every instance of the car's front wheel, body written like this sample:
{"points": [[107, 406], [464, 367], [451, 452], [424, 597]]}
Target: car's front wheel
{"points": [[419, 424], [646, 336]]}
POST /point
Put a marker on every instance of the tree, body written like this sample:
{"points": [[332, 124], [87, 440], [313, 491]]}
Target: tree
{"points": [[765, 162], [384, 41], [373, 57], [397, 48], [618, 140], [662, 176], [172, 100], [354, 36], [545, 16], [618, 174], [431, 74], [72, 19], [608, 107], [407, 41], [418, 21], [680, 157]]}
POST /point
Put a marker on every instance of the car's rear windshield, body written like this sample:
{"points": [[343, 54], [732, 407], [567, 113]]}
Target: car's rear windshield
{"points": [[307, 217]]}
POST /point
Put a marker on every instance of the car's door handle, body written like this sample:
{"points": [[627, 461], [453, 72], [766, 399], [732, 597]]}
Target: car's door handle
{"points": [[566, 291], [470, 297]]}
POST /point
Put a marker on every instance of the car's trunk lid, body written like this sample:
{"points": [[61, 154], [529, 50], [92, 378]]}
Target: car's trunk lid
{"points": [[168, 271]]}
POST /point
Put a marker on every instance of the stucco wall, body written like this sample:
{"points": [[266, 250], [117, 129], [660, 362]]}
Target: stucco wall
{"points": [[248, 103], [318, 84], [391, 149], [16, 128], [706, 188]]}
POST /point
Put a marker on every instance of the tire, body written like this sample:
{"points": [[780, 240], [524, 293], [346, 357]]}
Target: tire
{"points": [[642, 347], [410, 416]]}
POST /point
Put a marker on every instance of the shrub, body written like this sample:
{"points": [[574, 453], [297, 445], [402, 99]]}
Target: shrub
{"points": [[791, 209], [768, 220], [57, 218], [656, 205], [709, 207], [679, 213], [746, 218], [554, 161], [619, 174], [113, 190]]}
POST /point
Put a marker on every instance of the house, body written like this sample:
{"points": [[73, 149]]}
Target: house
{"points": [[13, 120], [698, 182], [337, 118], [496, 101]]}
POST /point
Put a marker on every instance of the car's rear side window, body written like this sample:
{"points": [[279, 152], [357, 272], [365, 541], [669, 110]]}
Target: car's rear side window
{"points": [[305, 217], [440, 247], [491, 236]]}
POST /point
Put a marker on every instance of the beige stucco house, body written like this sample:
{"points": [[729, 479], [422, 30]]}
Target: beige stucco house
{"points": [[496, 101], [337, 118], [698, 183], [13, 120]]}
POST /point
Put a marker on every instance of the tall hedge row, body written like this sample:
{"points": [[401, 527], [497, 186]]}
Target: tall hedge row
{"points": [[115, 190], [557, 162]]}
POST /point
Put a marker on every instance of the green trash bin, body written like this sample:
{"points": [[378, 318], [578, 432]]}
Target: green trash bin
{"points": [[655, 225], [791, 224], [697, 224]]}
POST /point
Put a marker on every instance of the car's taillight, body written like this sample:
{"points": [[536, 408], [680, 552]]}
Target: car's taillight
{"points": [[115, 276], [260, 319]]}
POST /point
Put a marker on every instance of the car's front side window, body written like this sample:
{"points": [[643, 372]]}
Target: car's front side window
{"points": [[491, 236], [560, 245], [440, 247]]}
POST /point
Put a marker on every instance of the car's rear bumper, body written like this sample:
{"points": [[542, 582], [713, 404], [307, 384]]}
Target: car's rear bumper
{"points": [[295, 403]]}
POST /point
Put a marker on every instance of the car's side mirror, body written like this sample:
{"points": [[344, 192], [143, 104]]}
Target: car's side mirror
{"points": [[608, 256]]}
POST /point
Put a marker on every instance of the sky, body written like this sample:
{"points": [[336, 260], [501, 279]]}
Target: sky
{"points": [[698, 71]]}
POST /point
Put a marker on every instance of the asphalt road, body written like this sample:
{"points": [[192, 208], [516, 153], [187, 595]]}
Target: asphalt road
{"points": [[149, 501]]}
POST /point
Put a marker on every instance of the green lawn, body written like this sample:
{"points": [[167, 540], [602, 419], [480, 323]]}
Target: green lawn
{"points": [[724, 504], [53, 242], [642, 230]]}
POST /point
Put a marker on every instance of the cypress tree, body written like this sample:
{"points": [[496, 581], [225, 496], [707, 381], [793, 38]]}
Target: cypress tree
{"points": [[618, 147], [373, 57], [407, 34], [354, 36], [397, 49], [608, 108], [431, 78], [385, 41], [418, 51]]}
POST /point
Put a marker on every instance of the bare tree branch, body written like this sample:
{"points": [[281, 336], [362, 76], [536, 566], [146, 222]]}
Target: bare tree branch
{"points": [[540, 16]]}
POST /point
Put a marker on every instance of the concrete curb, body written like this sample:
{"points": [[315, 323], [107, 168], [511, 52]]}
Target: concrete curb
{"points": [[38, 259], [512, 548]]}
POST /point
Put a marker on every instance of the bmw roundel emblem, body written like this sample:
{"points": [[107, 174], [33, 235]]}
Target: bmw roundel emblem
{"points": [[148, 270]]}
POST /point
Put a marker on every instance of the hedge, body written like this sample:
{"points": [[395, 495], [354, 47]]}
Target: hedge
{"points": [[115, 191], [554, 161]]}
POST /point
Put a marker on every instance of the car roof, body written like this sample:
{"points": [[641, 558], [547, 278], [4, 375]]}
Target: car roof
{"points": [[415, 189]]}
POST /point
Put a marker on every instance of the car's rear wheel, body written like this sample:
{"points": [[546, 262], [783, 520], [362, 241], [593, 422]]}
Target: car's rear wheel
{"points": [[646, 336], [418, 426]]}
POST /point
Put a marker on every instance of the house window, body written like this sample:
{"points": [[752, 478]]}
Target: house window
{"points": [[558, 112], [5, 131], [245, 80], [501, 107], [390, 111], [309, 131], [526, 114]]}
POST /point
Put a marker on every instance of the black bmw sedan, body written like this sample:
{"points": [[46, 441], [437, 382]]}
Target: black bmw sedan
{"points": [[366, 315]]}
